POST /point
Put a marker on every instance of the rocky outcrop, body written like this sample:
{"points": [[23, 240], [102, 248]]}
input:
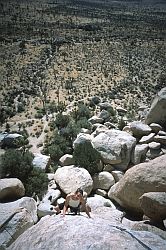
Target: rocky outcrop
{"points": [[55, 232], [142, 178], [11, 188], [15, 218], [153, 205], [41, 161], [157, 112], [115, 147], [69, 178]]}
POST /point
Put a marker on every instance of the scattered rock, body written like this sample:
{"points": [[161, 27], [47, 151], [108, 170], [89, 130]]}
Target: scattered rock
{"points": [[69, 178], [139, 129], [142, 178], [11, 188], [66, 160], [157, 112], [103, 180], [15, 218], [153, 205], [139, 153], [147, 138], [115, 147]]}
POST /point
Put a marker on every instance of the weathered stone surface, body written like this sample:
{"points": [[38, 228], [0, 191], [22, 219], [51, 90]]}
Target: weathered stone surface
{"points": [[11, 188], [15, 218], [157, 112], [144, 226], [143, 178], [153, 205], [154, 145], [117, 175], [101, 128], [69, 178], [82, 138], [99, 201], [155, 127], [115, 147], [51, 196], [101, 192], [161, 139], [103, 180], [147, 138], [66, 160], [45, 208], [153, 153], [104, 114], [55, 232], [95, 119], [139, 153], [139, 129], [41, 161]]}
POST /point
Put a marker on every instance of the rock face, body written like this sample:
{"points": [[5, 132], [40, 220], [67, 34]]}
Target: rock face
{"points": [[11, 188], [15, 218], [157, 112], [153, 205], [115, 147], [41, 161], [143, 178], [69, 178], [55, 232]]}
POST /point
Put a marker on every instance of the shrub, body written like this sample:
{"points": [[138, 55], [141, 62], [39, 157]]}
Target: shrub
{"points": [[61, 120], [86, 156], [15, 163], [37, 182]]}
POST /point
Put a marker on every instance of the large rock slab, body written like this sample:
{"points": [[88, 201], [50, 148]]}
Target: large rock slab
{"points": [[157, 112], [153, 205], [11, 188], [15, 218], [69, 178], [115, 147], [55, 232], [142, 178]]}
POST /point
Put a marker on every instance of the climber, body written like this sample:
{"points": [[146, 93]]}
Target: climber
{"points": [[73, 202]]}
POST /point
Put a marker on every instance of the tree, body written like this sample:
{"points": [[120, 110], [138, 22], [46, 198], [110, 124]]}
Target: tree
{"points": [[37, 182], [16, 164], [86, 156]]}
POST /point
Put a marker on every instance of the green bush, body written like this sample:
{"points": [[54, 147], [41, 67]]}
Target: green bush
{"points": [[86, 156], [81, 111], [15, 163], [61, 120], [37, 182]]}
